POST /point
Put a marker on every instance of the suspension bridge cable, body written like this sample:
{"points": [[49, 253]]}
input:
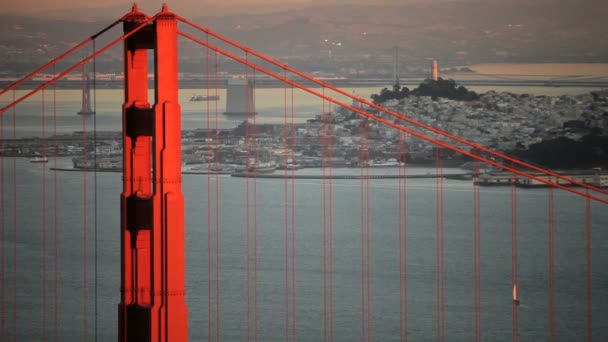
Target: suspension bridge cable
{"points": [[405, 249], [373, 105], [331, 234], [217, 211], [362, 162], [477, 252], [85, 160], [439, 245], [95, 249], [286, 222], [367, 228], [327, 221], [367, 233], [551, 215], [209, 198], [248, 165], [54, 61], [324, 206], [3, 277], [366, 186], [76, 66], [589, 328], [402, 233], [514, 262], [43, 215], [423, 136], [293, 224], [255, 219], [15, 221], [55, 218], [293, 251]]}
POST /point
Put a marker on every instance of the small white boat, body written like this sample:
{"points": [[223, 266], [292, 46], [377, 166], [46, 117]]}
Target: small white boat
{"points": [[198, 98], [39, 160]]}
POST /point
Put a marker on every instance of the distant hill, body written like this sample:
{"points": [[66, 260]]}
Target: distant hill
{"points": [[455, 32]]}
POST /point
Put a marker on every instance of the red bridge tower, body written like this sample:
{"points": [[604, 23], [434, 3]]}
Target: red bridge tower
{"points": [[152, 304]]}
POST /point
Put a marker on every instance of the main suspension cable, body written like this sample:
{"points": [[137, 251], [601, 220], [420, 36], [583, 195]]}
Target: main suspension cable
{"points": [[408, 130], [75, 66], [387, 111], [55, 60]]}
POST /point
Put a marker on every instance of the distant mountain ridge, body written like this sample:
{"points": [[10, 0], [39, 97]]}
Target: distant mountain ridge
{"points": [[455, 32]]}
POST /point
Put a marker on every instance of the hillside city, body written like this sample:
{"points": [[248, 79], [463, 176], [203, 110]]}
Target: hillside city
{"points": [[498, 120]]}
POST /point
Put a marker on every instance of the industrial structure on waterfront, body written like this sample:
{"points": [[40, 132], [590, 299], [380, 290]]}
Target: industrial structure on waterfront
{"points": [[239, 97]]}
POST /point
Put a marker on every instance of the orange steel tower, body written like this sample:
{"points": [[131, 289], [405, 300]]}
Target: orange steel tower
{"points": [[152, 306]]}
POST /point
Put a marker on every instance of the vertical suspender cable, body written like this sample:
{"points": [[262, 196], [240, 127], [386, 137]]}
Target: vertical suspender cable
{"points": [[248, 165], [477, 252], [324, 203], [365, 232], [95, 246], [402, 233], [209, 211], [293, 224], [551, 217], [442, 249], [3, 333], [367, 229], [400, 237], [331, 234], [369, 233], [588, 269], [84, 218], [286, 218], [15, 273], [255, 221], [362, 163], [43, 114], [514, 261], [404, 243], [217, 211], [439, 247], [55, 219], [3, 274]]}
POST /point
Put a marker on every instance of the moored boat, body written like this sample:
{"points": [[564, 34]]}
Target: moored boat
{"points": [[39, 160], [198, 98]]}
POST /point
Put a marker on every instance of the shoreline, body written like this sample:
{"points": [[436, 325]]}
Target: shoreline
{"points": [[456, 176]]}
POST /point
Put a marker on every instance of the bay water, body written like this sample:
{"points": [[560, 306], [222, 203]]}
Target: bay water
{"points": [[86, 231]]}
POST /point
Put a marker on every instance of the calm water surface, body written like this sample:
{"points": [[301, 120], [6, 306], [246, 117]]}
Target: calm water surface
{"points": [[73, 287], [28, 236]]}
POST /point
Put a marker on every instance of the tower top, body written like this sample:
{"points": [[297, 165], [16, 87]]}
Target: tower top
{"points": [[165, 13], [135, 15]]}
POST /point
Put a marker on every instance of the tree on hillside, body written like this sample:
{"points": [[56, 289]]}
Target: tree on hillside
{"points": [[435, 89]]}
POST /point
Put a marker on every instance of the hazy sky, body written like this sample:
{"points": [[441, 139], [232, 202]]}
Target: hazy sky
{"points": [[192, 7]]}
